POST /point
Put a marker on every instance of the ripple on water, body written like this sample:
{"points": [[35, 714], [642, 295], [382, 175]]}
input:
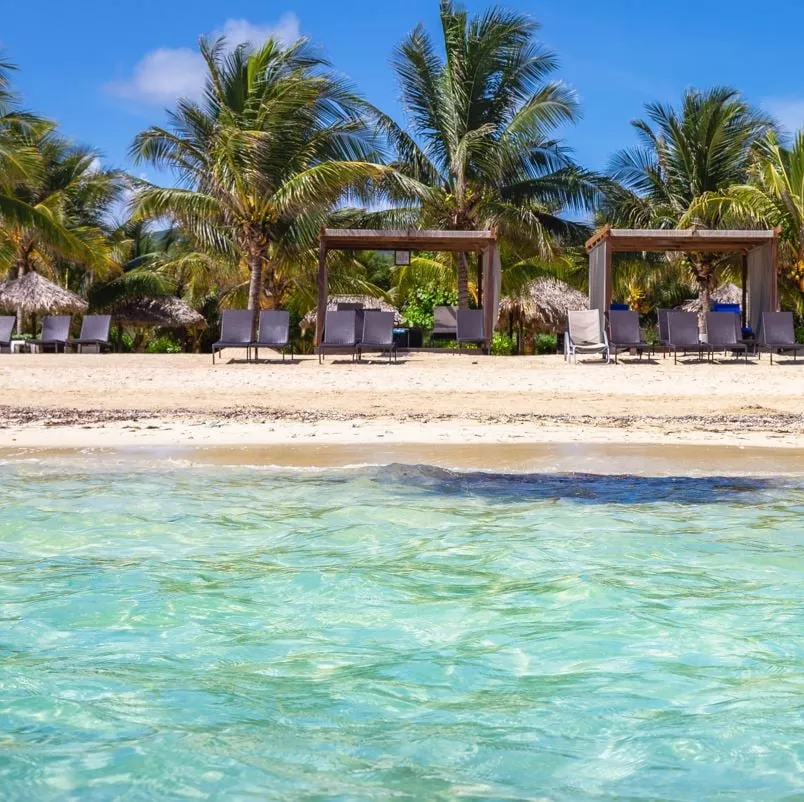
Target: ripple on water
{"points": [[226, 633]]}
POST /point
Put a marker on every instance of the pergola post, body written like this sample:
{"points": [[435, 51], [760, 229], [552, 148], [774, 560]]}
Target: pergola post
{"points": [[323, 291]]}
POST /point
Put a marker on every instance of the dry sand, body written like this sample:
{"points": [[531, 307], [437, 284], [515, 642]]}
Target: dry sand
{"points": [[69, 401]]}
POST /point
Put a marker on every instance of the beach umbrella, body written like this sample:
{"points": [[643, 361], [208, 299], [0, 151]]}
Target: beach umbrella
{"points": [[166, 312], [542, 305], [35, 295], [724, 294]]}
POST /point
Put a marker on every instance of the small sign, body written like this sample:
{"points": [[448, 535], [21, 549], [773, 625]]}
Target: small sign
{"points": [[401, 258]]}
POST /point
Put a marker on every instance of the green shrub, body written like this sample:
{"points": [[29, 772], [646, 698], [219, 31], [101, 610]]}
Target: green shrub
{"points": [[418, 312], [163, 345], [502, 344], [545, 344], [800, 334]]}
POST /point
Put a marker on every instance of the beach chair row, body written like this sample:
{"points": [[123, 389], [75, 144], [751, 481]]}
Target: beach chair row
{"points": [[55, 333], [346, 331], [678, 334]]}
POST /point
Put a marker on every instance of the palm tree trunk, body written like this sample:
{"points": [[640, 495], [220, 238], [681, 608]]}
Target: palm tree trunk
{"points": [[255, 266], [704, 276], [463, 281]]}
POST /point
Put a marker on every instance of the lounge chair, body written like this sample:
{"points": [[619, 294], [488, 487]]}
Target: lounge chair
{"points": [[55, 332], [683, 334], [6, 330], [722, 334], [585, 335], [339, 334], [359, 309], [378, 334], [274, 333], [664, 336], [235, 331], [94, 333], [778, 334], [445, 323], [470, 328], [624, 333]]}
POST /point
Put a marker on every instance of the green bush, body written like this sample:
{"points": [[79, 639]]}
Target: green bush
{"points": [[800, 334], [545, 344], [163, 345], [418, 312], [502, 344]]}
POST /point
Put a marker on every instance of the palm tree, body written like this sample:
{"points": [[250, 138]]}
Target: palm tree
{"points": [[480, 146], [772, 196], [275, 144], [75, 196], [683, 156], [44, 187]]}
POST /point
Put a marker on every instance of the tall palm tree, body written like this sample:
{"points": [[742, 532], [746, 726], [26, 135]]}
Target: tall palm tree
{"points": [[480, 144], [683, 155], [772, 196], [275, 144]]}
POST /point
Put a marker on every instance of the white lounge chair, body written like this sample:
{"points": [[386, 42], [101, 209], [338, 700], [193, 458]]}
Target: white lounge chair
{"points": [[585, 335]]}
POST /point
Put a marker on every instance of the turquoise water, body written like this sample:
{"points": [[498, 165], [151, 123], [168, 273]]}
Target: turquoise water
{"points": [[230, 633]]}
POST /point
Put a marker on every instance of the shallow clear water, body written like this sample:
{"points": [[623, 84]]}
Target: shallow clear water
{"points": [[250, 634]]}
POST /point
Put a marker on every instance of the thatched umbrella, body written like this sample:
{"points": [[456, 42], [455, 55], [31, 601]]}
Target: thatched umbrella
{"points": [[158, 313], [35, 295], [368, 302], [724, 294], [542, 305]]}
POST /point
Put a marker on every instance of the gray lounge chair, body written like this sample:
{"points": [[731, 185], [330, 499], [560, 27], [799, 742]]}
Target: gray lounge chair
{"points": [[778, 334], [470, 328], [624, 333], [445, 323], [683, 334], [664, 336], [378, 334], [6, 330], [55, 332], [339, 334], [722, 334], [94, 333], [235, 331], [359, 310], [585, 335], [274, 333]]}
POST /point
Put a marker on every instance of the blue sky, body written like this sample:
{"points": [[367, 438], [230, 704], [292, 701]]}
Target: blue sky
{"points": [[106, 71]]}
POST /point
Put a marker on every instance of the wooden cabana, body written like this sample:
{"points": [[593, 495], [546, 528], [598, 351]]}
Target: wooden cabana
{"points": [[483, 243], [758, 248]]}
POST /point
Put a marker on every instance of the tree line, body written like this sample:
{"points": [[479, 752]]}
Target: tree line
{"points": [[280, 145]]}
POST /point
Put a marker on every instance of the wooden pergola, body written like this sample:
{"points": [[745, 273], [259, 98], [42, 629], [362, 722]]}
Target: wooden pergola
{"points": [[483, 243], [758, 248]]}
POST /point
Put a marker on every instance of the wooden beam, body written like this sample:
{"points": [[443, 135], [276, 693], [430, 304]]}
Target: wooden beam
{"points": [[323, 291]]}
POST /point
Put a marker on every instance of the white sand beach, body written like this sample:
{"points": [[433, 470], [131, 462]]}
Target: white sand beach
{"points": [[69, 401]]}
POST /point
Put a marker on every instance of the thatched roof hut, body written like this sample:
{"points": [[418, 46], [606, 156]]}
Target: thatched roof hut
{"points": [[168, 312], [35, 295], [543, 305], [724, 294], [368, 301]]}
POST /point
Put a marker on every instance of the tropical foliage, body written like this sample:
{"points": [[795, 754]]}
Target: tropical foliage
{"points": [[480, 143], [280, 145], [684, 155], [277, 142]]}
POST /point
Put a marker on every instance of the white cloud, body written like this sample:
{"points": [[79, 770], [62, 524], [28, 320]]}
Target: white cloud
{"points": [[166, 74], [789, 112], [239, 31]]}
